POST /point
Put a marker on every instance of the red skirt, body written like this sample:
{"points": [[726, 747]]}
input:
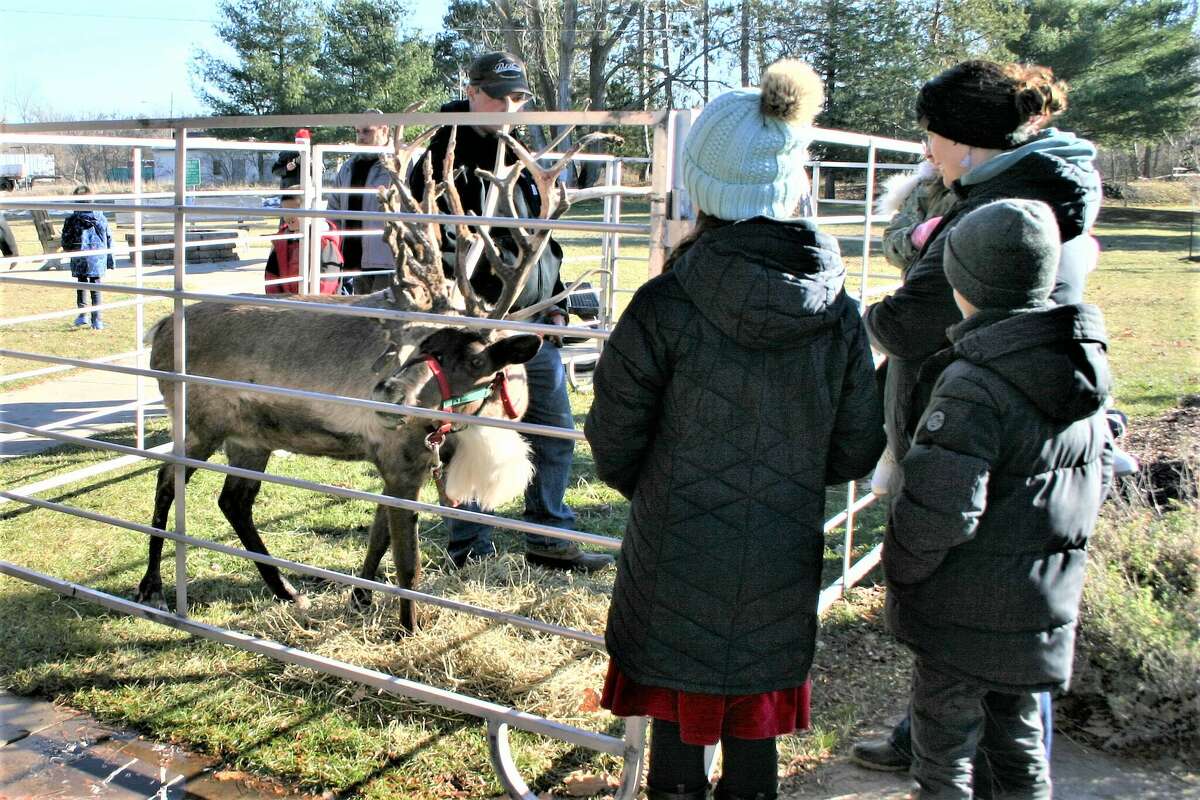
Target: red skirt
{"points": [[703, 718]]}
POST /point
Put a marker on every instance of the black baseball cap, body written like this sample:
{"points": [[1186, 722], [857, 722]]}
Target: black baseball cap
{"points": [[499, 74]]}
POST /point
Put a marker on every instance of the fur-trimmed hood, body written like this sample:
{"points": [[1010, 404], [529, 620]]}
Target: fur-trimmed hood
{"points": [[897, 188]]}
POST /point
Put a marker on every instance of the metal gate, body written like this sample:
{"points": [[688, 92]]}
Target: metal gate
{"points": [[669, 216]]}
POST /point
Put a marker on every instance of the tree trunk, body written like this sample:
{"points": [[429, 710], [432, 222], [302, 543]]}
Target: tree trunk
{"points": [[705, 34], [744, 43], [669, 79]]}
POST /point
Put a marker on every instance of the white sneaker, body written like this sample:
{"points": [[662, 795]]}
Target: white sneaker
{"points": [[885, 470]]}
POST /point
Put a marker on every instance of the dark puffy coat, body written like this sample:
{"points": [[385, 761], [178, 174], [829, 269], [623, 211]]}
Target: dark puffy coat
{"points": [[987, 542], [910, 325], [734, 389], [474, 150], [88, 230]]}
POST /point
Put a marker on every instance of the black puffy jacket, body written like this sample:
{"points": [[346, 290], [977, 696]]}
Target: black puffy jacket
{"points": [[734, 389], [987, 541], [910, 325]]}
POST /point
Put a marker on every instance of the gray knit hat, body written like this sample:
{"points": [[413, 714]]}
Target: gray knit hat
{"points": [[1004, 255]]}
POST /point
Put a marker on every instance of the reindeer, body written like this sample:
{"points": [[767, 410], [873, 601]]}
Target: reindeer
{"points": [[416, 364]]}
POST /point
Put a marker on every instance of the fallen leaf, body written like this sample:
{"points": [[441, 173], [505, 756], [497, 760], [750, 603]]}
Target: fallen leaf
{"points": [[591, 700], [231, 775], [586, 784]]}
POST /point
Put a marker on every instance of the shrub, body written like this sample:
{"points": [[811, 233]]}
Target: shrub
{"points": [[1138, 654]]}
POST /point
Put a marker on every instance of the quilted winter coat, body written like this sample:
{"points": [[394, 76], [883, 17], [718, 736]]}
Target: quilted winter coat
{"points": [[987, 544], [734, 389]]}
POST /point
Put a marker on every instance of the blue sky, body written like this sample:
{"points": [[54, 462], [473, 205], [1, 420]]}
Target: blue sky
{"points": [[78, 58]]}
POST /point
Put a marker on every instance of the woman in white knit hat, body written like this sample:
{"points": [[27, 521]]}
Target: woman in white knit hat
{"points": [[735, 387]]}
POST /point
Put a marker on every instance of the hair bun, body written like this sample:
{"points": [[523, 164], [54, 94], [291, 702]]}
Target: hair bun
{"points": [[791, 92]]}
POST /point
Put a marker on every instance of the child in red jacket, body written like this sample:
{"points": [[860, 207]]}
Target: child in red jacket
{"points": [[284, 261]]}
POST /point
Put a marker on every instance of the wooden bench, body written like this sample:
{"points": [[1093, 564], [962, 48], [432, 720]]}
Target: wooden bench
{"points": [[50, 237]]}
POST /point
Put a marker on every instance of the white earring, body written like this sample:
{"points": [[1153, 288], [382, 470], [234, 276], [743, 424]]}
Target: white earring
{"points": [[966, 161]]}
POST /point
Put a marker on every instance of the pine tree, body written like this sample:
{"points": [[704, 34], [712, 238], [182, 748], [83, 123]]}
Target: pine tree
{"points": [[1133, 67], [368, 61], [276, 44]]}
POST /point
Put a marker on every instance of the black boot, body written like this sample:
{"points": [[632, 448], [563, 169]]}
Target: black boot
{"points": [[680, 794]]}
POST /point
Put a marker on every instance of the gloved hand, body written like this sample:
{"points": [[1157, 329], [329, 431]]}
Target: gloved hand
{"points": [[921, 233]]}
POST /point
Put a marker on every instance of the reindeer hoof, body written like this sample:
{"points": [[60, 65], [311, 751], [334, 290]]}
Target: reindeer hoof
{"points": [[360, 601], [150, 594], [301, 602]]}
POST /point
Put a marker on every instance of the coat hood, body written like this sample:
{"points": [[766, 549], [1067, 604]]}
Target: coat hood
{"points": [[1060, 170], [1056, 357], [89, 219], [765, 283]]}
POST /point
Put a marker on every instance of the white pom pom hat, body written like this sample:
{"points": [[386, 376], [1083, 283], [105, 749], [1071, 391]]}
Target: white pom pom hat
{"points": [[744, 156]]}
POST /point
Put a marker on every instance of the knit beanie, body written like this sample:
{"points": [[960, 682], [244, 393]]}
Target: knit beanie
{"points": [[1004, 255], [744, 156], [973, 103]]}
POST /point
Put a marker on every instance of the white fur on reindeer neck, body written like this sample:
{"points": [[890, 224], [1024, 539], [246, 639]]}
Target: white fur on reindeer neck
{"points": [[490, 466]]}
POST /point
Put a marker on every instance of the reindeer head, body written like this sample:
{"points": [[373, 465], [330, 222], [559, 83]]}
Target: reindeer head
{"points": [[458, 370]]}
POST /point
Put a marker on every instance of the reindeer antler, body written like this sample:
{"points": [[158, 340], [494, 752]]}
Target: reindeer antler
{"points": [[416, 246], [554, 204], [475, 306]]}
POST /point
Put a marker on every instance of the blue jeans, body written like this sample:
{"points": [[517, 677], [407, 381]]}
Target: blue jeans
{"points": [[544, 497]]}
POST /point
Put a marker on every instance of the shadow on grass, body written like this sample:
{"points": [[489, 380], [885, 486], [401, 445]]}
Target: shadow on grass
{"points": [[1141, 243], [1159, 218]]}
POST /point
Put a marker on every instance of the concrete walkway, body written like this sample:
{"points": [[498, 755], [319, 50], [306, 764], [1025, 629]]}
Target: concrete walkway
{"points": [[1079, 773], [47, 751], [54, 401]]}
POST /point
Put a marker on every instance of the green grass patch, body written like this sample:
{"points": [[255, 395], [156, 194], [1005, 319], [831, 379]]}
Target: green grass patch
{"points": [[1150, 295]]}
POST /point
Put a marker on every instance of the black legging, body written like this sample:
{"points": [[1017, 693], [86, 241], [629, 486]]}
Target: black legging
{"points": [[749, 769], [79, 293]]}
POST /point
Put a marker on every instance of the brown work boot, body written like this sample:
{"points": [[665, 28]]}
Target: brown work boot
{"points": [[570, 558]]}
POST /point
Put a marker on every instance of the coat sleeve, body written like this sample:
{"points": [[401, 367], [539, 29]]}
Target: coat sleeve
{"points": [[628, 386], [858, 435], [945, 480], [898, 248], [911, 323], [111, 262], [336, 201]]}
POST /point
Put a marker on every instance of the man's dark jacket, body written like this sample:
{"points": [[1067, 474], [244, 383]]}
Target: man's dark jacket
{"points": [[474, 150], [910, 325], [987, 542], [734, 389]]}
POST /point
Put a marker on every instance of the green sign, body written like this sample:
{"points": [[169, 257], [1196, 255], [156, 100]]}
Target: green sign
{"points": [[192, 176]]}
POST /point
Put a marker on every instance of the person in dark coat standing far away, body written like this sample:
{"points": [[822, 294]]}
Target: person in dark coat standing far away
{"points": [[735, 387], [986, 545]]}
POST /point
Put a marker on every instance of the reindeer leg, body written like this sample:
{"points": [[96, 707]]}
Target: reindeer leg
{"points": [[150, 589], [377, 545], [237, 504], [406, 549]]}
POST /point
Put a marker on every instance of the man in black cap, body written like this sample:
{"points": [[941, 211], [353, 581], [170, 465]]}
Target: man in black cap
{"points": [[364, 170], [498, 84]]}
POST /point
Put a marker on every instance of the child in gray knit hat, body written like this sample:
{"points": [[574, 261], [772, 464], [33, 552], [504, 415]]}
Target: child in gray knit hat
{"points": [[987, 541]]}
